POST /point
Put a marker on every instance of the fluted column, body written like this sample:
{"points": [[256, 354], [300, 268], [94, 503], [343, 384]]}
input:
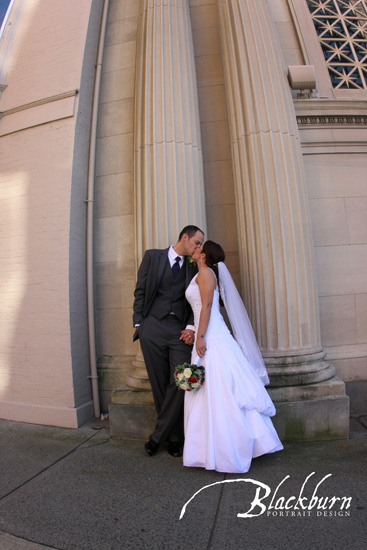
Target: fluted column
{"points": [[276, 249], [168, 157], [169, 184]]}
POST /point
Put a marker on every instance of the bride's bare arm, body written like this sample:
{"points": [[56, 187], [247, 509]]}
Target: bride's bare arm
{"points": [[207, 282]]}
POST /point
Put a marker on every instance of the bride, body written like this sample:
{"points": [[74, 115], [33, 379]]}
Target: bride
{"points": [[227, 422]]}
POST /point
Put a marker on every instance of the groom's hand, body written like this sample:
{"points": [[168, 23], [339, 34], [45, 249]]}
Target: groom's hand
{"points": [[187, 336]]}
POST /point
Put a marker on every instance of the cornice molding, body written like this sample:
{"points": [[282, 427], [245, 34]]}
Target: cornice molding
{"points": [[39, 102], [332, 120], [331, 112]]}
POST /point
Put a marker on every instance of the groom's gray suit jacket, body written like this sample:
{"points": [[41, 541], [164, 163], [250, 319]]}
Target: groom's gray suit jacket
{"points": [[152, 269]]}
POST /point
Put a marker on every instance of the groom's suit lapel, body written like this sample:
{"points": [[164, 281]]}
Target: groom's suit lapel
{"points": [[162, 262]]}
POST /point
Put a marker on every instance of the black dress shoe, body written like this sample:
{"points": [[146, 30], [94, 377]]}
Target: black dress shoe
{"points": [[151, 447], [175, 449]]}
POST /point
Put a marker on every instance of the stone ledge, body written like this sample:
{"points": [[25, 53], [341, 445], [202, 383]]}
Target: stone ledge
{"points": [[131, 396], [329, 388], [307, 374], [322, 415]]}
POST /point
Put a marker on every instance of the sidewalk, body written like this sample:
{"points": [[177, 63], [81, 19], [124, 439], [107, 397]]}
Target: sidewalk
{"points": [[78, 489]]}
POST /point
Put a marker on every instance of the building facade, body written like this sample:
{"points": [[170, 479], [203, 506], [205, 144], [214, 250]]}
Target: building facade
{"points": [[124, 120]]}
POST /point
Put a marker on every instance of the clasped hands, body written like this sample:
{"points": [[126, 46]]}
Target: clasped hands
{"points": [[188, 336]]}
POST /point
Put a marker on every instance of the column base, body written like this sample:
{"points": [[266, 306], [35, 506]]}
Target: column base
{"points": [[112, 373], [132, 414], [311, 413], [304, 413], [138, 379]]}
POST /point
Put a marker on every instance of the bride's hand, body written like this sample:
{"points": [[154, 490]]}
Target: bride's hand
{"points": [[200, 346]]}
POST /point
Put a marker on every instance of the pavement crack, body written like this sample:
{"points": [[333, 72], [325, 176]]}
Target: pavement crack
{"points": [[13, 538], [40, 472], [211, 538]]}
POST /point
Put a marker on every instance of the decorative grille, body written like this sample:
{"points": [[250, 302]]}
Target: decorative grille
{"points": [[342, 30]]}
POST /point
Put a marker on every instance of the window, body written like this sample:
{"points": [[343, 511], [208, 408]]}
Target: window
{"points": [[4, 5], [341, 27]]}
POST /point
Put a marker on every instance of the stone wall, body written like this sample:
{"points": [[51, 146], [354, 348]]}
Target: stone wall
{"points": [[116, 269], [43, 371], [333, 130], [114, 205]]}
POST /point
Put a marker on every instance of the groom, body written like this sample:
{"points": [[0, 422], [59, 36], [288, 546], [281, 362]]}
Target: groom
{"points": [[161, 314]]}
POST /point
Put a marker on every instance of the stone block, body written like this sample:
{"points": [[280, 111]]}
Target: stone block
{"points": [[123, 9], [115, 284], [221, 223], [114, 240], [125, 395], [116, 117], [279, 11], [322, 414], [287, 34], [112, 373], [357, 392], [115, 332], [337, 320], [206, 41], [341, 269], [313, 420], [132, 414], [216, 141], [336, 175], [212, 103], [329, 222], [115, 154], [293, 57], [219, 186], [119, 56], [356, 208], [131, 421], [119, 31], [114, 195], [209, 70], [361, 318], [205, 16], [350, 362], [117, 85]]}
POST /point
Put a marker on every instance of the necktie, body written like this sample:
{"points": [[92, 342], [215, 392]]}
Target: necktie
{"points": [[176, 267]]}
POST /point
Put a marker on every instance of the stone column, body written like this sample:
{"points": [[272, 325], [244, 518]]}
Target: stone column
{"points": [[169, 183], [276, 250]]}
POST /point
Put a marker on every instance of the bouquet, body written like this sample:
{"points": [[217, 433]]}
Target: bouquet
{"points": [[189, 377]]}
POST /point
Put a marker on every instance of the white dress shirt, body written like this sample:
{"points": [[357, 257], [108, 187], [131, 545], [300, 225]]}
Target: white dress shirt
{"points": [[172, 255]]}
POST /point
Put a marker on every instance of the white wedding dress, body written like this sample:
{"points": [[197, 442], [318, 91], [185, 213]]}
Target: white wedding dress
{"points": [[227, 421]]}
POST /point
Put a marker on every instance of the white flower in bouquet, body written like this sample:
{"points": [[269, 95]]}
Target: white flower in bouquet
{"points": [[187, 373]]}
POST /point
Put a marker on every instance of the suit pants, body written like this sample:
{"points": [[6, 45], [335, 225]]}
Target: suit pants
{"points": [[163, 351]]}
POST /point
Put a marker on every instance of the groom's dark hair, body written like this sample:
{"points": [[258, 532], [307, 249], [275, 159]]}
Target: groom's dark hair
{"points": [[190, 230]]}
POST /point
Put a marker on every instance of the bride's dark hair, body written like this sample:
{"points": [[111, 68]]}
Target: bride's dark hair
{"points": [[214, 253]]}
